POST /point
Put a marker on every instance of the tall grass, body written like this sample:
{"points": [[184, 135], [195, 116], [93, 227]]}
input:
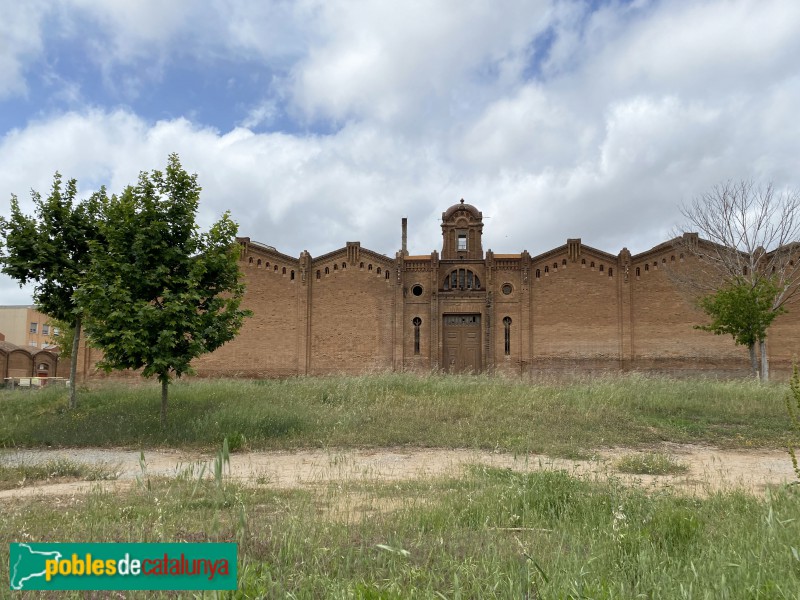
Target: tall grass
{"points": [[555, 417], [491, 533]]}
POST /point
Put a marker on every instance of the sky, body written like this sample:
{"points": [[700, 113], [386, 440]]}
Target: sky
{"points": [[318, 122]]}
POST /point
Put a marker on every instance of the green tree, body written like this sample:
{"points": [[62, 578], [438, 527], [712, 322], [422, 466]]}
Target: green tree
{"points": [[52, 250], [748, 238], [743, 310], [160, 293]]}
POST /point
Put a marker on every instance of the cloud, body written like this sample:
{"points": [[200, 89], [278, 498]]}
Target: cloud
{"points": [[20, 42], [553, 119]]}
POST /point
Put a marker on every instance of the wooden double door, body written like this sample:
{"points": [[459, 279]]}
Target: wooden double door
{"points": [[462, 343]]}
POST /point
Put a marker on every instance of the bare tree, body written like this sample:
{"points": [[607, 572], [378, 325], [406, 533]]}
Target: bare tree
{"points": [[745, 233]]}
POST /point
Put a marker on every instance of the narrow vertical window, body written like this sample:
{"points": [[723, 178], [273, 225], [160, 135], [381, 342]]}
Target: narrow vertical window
{"points": [[462, 241], [507, 334], [417, 322]]}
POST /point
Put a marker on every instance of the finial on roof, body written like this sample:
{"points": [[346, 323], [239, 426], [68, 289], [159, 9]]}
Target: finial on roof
{"points": [[462, 201]]}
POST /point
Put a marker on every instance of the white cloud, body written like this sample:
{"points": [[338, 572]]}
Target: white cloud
{"points": [[20, 42], [601, 134]]}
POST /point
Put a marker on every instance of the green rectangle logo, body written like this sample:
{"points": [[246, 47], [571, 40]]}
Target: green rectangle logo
{"points": [[107, 566]]}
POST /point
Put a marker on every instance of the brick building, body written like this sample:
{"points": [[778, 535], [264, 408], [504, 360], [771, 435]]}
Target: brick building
{"points": [[571, 308], [465, 309]]}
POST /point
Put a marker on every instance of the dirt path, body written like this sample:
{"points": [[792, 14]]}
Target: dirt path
{"points": [[710, 469]]}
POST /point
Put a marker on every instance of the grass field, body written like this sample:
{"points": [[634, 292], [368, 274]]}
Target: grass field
{"points": [[557, 418], [482, 533]]}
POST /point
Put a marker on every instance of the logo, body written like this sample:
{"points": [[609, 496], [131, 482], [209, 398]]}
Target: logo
{"points": [[122, 566]]}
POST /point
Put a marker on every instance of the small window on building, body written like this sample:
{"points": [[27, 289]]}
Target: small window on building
{"points": [[506, 289], [45, 329], [546, 270], [417, 322], [601, 268], [276, 268], [34, 327], [610, 272], [681, 257], [538, 273], [638, 271], [266, 265], [417, 290], [647, 267], [462, 241], [564, 262], [507, 334], [663, 261], [335, 267], [361, 265], [327, 270], [291, 276], [583, 262], [387, 273], [379, 270], [56, 332], [592, 265], [250, 261], [344, 265], [369, 268], [318, 274], [258, 264], [672, 258]]}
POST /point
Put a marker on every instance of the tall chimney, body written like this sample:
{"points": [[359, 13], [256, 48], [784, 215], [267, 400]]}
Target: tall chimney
{"points": [[404, 248]]}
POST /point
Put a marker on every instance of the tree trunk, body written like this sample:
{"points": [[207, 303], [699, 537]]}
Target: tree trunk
{"points": [[764, 361], [73, 364], [164, 391], [753, 360]]}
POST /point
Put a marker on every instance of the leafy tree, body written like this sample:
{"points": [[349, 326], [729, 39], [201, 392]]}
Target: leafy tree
{"points": [[748, 238], [160, 293], [793, 408], [744, 311], [52, 250]]}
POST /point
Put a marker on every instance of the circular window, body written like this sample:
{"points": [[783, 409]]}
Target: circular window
{"points": [[417, 290], [506, 289]]}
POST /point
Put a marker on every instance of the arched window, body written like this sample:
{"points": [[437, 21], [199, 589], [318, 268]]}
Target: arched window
{"points": [[601, 268], [638, 271], [564, 262], [664, 261], [610, 272], [318, 274], [647, 267], [538, 273], [291, 276], [507, 334], [555, 266], [681, 257], [461, 279], [276, 268], [369, 268], [327, 271], [250, 261], [335, 267], [546, 270], [361, 265], [344, 265], [592, 265], [258, 264], [583, 262], [266, 264], [672, 258], [387, 273], [416, 322], [284, 271], [379, 271]]}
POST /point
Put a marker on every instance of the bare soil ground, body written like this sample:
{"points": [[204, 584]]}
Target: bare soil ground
{"points": [[709, 469]]}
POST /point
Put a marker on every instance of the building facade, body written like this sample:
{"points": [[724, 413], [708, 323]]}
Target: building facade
{"points": [[572, 308]]}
